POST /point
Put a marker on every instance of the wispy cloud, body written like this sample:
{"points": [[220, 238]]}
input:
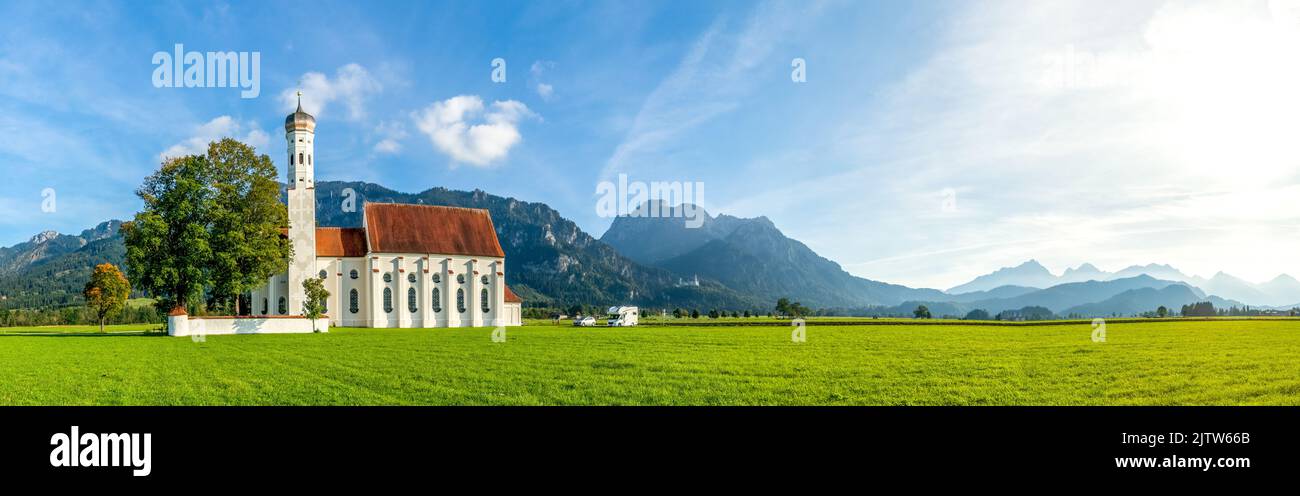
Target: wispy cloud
{"points": [[712, 78], [537, 72]]}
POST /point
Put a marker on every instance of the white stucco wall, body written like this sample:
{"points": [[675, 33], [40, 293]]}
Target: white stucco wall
{"points": [[402, 267], [216, 326]]}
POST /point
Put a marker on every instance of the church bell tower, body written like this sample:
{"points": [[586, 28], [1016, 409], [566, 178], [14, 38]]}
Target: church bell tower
{"points": [[300, 132]]}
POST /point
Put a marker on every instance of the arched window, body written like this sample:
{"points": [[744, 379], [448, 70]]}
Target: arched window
{"points": [[388, 277], [325, 305], [290, 159], [266, 307], [322, 275], [437, 300], [483, 298], [299, 158], [410, 299], [437, 278], [353, 274], [388, 300], [352, 301], [460, 278], [309, 160], [460, 300], [410, 278], [282, 307]]}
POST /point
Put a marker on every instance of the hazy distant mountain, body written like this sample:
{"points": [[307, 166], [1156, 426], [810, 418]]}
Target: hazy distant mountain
{"points": [[1031, 274], [752, 257], [1063, 296], [1278, 292], [1281, 290], [1157, 271], [995, 293], [1138, 301], [1085, 272], [1128, 296]]}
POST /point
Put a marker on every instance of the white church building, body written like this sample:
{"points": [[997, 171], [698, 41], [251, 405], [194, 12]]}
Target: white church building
{"points": [[407, 266]]}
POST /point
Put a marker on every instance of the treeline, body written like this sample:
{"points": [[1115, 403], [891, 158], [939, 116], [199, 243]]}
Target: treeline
{"points": [[78, 315], [784, 308]]}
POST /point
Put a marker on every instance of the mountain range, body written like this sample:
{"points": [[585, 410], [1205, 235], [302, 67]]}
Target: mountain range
{"points": [[726, 263], [1281, 291], [751, 256]]}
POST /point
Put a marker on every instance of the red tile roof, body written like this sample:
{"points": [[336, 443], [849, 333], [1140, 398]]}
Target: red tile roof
{"points": [[404, 228], [511, 297], [337, 241], [340, 242]]}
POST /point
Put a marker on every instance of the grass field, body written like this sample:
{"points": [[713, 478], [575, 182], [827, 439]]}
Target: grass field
{"points": [[1162, 363]]}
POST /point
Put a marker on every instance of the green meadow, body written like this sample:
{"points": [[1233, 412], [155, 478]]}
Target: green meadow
{"points": [[1217, 362]]}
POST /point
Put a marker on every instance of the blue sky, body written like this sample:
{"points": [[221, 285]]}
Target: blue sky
{"points": [[931, 142]]}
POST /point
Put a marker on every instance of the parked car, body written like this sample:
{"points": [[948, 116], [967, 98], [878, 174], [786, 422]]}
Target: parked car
{"points": [[587, 321]]}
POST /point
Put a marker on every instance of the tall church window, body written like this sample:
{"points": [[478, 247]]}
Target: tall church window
{"points": [[266, 307], [437, 300], [483, 297], [282, 307], [388, 300], [299, 158], [410, 299], [309, 160], [460, 300], [290, 159], [353, 305]]}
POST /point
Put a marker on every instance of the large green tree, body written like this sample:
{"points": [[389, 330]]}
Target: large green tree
{"points": [[210, 226], [167, 244], [247, 216]]}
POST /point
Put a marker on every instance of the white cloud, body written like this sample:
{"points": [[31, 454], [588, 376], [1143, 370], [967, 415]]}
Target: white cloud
{"points": [[545, 91], [215, 129], [351, 86], [455, 128]]}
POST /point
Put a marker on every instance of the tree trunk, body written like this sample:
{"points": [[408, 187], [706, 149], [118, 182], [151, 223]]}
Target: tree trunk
{"points": [[237, 306], [101, 325]]}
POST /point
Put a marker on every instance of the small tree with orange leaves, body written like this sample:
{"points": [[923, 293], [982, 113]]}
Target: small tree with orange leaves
{"points": [[106, 292]]}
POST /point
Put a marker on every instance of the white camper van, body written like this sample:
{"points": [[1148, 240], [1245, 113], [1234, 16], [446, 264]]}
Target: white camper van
{"points": [[622, 316]]}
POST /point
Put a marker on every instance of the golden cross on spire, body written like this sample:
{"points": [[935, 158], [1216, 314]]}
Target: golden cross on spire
{"points": [[299, 99]]}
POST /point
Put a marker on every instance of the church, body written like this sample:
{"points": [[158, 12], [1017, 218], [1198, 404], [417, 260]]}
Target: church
{"points": [[407, 266]]}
